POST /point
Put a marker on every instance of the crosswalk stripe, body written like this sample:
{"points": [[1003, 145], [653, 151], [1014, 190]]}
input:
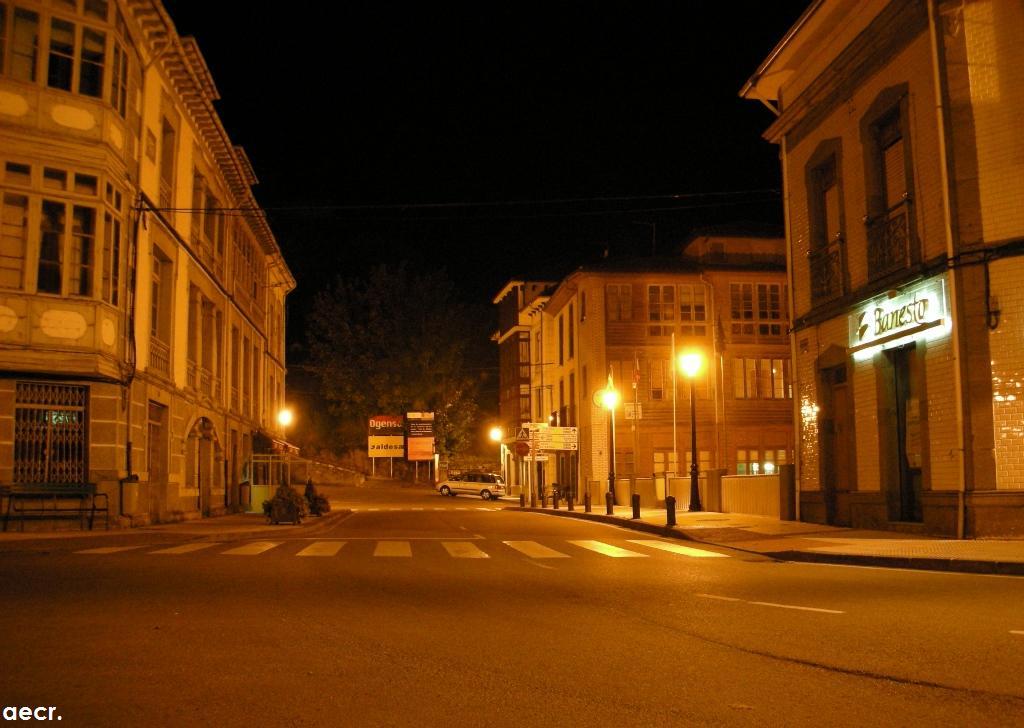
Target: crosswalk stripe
{"points": [[608, 550], [535, 550], [464, 550], [393, 548], [109, 549], [676, 548], [185, 548], [322, 548], [252, 549]]}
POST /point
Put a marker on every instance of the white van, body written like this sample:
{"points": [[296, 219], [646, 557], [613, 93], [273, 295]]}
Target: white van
{"points": [[485, 485]]}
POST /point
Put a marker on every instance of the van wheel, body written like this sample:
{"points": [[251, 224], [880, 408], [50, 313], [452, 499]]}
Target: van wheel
{"points": [[485, 494], [445, 490]]}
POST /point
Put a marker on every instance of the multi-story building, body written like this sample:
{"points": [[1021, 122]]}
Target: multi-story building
{"points": [[141, 289], [723, 297], [898, 123]]}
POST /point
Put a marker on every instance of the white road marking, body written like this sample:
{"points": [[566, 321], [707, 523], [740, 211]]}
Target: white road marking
{"points": [[109, 549], [186, 548], [535, 550], [252, 549], [464, 550], [322, 548], [608, 550], [1017, 631], [676, 548], [393, 548], [772, 604], [802, 609]]}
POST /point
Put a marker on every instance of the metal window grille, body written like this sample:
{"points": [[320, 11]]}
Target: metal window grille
{"points": [[50, 433]]}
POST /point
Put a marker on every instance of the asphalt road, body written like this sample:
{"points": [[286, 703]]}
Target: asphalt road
{"points": [[429, 611]]}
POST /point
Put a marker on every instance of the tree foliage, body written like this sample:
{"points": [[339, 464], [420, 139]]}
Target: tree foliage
{"points": [[392, 342]]}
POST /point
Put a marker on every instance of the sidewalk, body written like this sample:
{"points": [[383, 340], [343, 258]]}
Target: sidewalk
{"points": [[813, 542]]}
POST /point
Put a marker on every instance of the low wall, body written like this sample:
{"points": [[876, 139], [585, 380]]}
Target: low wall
{"points": [[755, 495]]}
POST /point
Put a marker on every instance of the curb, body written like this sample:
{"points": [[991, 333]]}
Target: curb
{"points": [[321, 524], [924, 563]]}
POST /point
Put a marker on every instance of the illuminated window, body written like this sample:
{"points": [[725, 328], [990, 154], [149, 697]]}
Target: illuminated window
{"points": [[661, 305], [761, 378], [746, 459], [692, 310], [50, 434]]}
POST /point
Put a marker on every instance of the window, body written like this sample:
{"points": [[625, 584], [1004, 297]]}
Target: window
{"points": [[665, 461], [167, 154], [111, 283], [620, 302], [703, 461], [13, 240], [160, 303], [763, 320], [773, 458], [83, 245], [661, 304], [825, 218], [119, 81], [51, 235], [572, 324], [561, 341], [19, 43], [64, 62], [762, 378], [62, 54], [693, 311], [657, 379], [747, 461], [50, 434]]}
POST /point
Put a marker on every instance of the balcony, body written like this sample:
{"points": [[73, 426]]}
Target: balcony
{"points": [[192, 375], [826, 263], [159, 357], [889, 240]]}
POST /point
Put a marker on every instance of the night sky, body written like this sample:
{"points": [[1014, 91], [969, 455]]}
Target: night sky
{"points": [[494, 139]]}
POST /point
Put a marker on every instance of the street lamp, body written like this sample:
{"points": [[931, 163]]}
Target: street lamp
{"points": [[497, 434], [284, 418], [691, 362], [610, 400]]}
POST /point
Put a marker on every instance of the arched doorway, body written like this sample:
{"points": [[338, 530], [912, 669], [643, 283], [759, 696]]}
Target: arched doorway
{"points": [[203, 455]]}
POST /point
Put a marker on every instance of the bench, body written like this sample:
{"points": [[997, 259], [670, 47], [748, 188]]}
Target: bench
{"points": [[50, 500]]}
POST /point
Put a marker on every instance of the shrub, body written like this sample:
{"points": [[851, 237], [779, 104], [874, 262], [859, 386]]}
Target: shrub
{"points": [[318, 504], [287, 506]]}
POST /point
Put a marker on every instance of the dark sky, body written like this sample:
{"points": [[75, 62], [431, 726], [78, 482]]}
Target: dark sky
{"points": [[371, 124]]}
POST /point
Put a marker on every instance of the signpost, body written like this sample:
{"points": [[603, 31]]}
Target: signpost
{"points": [[420, 440], [386, 439]]}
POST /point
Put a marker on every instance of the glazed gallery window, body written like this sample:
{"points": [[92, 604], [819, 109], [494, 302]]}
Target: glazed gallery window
{"points": [[756, 308], [76, 58], [619, 300], [19, 42], [66, 233], [13, 240], [661, 305], [50, 433], [761, 379]]}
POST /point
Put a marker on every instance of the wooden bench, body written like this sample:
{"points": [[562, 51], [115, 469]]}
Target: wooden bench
{"points": [[41, 501]]}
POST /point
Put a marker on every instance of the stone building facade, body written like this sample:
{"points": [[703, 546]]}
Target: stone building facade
{"points": [[724, 296], [898, 124], [142, 292]]}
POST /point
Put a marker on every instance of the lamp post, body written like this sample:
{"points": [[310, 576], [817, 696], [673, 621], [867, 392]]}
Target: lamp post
{"points": [[610, 400], [691, 362]]}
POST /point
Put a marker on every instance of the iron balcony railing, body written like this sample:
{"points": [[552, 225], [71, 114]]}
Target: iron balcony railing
{"points": [[889, 239], [192, 375], [826, 263], [159, 357]]}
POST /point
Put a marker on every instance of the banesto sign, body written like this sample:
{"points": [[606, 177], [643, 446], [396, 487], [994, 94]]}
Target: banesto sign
{"points": [[889, 321]]}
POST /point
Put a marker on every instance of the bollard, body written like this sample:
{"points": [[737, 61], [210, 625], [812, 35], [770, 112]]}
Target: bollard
{"points": [[568, 502], [554, 499], [533, 499], [586, 502], [522, 500], [543, 500], [609, 503], [670, 510], [636, 506]]}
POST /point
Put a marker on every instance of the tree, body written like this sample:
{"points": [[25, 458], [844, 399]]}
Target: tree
{"points": [[392, 342]]}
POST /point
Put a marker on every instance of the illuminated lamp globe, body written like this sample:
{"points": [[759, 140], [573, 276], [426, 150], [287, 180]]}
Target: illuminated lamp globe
{"points": [[610, 398], [691, 362], [285, 417], [495, 434]]}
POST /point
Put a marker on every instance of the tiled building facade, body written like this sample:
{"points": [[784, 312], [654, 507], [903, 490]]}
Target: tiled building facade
{"points": [[898, 124], [141, 290], [725, 297]]}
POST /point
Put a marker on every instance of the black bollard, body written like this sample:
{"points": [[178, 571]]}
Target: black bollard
{"points": [[568, 502], [670, 510], [586, 502], [609, 504], [554, 499], [636, 505], [522, 500]]}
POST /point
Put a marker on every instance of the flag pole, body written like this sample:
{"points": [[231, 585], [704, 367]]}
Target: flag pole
{"points": [[675, 440]]}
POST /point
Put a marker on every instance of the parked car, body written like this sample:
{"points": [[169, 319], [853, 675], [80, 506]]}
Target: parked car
{"points": [[485, 485]]}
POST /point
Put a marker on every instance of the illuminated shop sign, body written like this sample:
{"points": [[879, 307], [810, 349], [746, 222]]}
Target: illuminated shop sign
{"points": [[916, 312]]}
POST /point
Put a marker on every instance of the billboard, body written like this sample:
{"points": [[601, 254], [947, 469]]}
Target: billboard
{"points": [[387, 436], [420, 444]]}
